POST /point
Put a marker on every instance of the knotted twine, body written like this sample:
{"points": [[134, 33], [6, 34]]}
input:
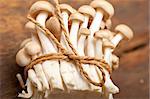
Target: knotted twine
{"points": [[65, 55]]}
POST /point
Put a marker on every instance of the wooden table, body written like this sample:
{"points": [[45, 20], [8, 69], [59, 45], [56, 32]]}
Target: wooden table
{"points": [[131, 77]]}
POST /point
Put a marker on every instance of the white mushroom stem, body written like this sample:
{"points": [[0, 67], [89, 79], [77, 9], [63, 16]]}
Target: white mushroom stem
{"points": [[65, 18], [34, 79], [98, 49], [74, 33], [96, 23], [51, 68], [85, 22], [108, 56], [117, 39]]}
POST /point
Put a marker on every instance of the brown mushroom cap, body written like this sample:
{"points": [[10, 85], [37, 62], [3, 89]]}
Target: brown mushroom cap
{"points": [[84, 31], [67, 8], [76, 16], [53, 25], [25, 42], [102, 34], [32, 48], [22, 58], [30, 25], [39, 6], [124, 30], [105, 6], [86, 9], [108, 43]]}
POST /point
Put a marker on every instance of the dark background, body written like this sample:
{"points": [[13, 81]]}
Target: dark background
{"points": [[132, 76]]}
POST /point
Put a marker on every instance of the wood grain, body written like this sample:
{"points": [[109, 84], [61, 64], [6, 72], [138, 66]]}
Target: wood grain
{"points": [[131, 77]]}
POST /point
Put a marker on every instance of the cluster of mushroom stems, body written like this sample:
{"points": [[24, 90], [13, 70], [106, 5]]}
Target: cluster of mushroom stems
{"points": [[89, 31]]}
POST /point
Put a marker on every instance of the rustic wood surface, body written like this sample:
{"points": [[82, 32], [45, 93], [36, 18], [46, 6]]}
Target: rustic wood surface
{"points": [[131, 77]]}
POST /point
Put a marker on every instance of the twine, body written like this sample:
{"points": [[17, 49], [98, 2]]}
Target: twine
{"points": [[65, 55]]}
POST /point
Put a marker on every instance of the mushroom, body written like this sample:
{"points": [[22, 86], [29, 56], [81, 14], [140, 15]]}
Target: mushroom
{"points": [[30, 25], [66, 10], [76, 19], [33, 48], [29, 90], [19, 77], [41, 10], [88, 12], [106, 24], [102, 25], [115, 62], [111, 88], [104, 10], [22, 58], [24, 42], [108, 46], [123, 31], [53, 25], [34, 79], [100, 36], [83, 32]]}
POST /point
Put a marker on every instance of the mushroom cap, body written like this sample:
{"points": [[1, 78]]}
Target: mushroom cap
{"points": [[32, 48], [102, 25], [68, 8], [30, 25], [53, 25], [22, 58], [86, 9], [115, 61], [84, 31], [102, 34], [39, 6], [124, 30], [76, 16], [108, 43], [108, 24], [25, 42], [105, 6]]}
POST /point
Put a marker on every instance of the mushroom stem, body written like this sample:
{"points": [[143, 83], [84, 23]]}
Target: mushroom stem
{"points": [[51, 68], [34, 80], [96, 23], [117, 39], [108, 56], [85, 22], [65, 18], [98, 49], [74, 33]]}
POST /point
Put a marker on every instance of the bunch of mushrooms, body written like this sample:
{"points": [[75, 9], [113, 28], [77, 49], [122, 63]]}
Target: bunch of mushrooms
{"points": [[88, 29]]}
